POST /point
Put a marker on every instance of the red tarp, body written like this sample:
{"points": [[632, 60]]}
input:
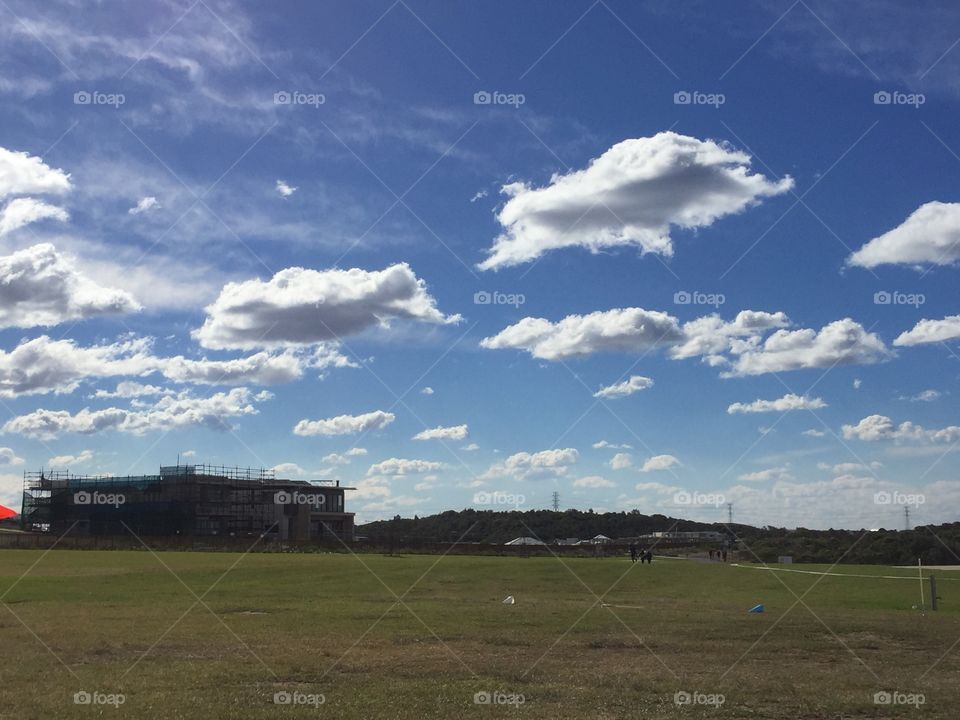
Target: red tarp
{"points": [[6, 512]]}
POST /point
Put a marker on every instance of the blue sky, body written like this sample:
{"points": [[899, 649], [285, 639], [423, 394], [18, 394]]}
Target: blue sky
{"points": [[647, 255]]}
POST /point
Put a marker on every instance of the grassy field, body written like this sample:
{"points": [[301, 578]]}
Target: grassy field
{"points": [[219, 635]]}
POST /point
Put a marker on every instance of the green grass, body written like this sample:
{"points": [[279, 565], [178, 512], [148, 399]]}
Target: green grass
{"points": [[121, 622]]}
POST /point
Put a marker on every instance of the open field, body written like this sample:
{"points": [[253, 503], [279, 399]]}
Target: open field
{"points": [[217, 635]]}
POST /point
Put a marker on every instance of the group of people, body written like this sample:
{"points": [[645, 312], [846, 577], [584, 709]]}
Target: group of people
{"points": [[718, 555], [644, 557]]}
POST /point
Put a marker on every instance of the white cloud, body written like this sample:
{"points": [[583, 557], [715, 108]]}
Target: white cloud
{"points": [[455, 432], [9, 457], [356, 452], [632, 330], [427, 391], [787, 403], [813, 432], [659, 462], [777, 473], [601, 444], [524, 465], [288, 469], [849, 468], [336, 459], [621, 461], [130, 389], [593, 481], [857, 382], [880, 427], [401, 466], [842, 342], [631, 195], [299, 306], [22, 174], [930, 235], [66, 461], [924, 396], [470, 447], [930, 331], [345, 424], [284, 189], [23, 211], [168, 413], [636, 383], [711, 336], [145, 204], [40, 287], [479, 195]]}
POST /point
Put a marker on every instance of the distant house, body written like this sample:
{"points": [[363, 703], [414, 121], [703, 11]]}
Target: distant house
{"points": [[525, 541], [710, 535], [568, 541], [598, 540]]}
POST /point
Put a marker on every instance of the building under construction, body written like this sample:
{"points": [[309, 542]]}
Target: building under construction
{"points": [[188, 501]]}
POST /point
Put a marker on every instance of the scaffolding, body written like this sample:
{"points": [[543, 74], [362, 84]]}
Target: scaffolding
{"points": [[184, 500]]}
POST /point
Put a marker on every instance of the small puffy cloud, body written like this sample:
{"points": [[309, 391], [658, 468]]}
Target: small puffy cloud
{"points": [[189, 453], [23, 211], [40, 287], [621, 461], [601, 444], [776, 473], [931, 331], [454, 432], [632, 330], [842, 342], [470, 447], [849, 468], [129, 389], [636, 383], [168, 413], [659, 462], [9, 457], [787, 403], [284, 189], [925, 396], [427, 391], [857, 382], [479, 195], [145, 204], [524, 465], [287, 469], [593, 481], [401, 466], [813, 432], [629, 196], [711, 336], [345, 424], [879, 427], [931, 235], [23, 174], [298, 306], [336, 459], [356, 452], [65, 461]]}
